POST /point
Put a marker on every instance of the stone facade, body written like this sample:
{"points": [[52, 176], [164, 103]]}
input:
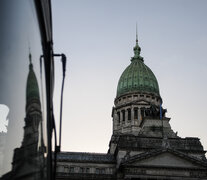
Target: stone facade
{"points": [[143, 145], [73, 165]]}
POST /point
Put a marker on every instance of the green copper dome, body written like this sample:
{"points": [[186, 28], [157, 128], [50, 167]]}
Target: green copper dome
{"points": [[137, 77], [32, 89]]}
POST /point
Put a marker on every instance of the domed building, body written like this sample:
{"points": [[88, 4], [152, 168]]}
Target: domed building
{"points": [[143, 145], [137, 96]]}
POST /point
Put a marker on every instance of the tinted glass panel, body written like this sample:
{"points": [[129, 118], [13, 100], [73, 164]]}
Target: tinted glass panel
{"points": [[22, 93]]}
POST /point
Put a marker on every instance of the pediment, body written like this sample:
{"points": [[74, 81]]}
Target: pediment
{"points": [[165, 159]]}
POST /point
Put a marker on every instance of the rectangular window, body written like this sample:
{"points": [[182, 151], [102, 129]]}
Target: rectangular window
{"points": [[71, 170], [129, 114], [135, 113], [97, 171], [102, 171], [81, 170], [87, 170], [118, 114], [123, 115], [66, 169], [142, 113]]}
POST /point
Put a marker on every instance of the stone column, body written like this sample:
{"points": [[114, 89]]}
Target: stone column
{"points": [[126, 116], [115, 119], [132, 115], [139, 116], [121, 117]]}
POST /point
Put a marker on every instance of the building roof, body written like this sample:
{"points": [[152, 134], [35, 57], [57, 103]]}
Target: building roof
{"points": [[85, 157]]}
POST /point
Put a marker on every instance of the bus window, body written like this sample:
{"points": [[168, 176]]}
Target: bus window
{"points": [[23, 142]]}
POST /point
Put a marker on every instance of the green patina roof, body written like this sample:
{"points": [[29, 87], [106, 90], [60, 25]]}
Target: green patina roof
{"points": [[32, 89], [137, 77]]}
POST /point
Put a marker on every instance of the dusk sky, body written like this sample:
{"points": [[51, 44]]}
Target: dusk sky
{"points": [[98, 37]]}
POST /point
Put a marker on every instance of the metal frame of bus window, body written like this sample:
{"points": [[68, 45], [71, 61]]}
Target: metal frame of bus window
{"points": [[43, 9]]}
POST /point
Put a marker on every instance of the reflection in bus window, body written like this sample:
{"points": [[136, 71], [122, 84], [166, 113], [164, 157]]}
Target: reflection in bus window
{"points": [[23, 142]]}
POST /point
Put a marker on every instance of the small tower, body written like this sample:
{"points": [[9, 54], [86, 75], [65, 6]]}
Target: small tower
{"points": [[30, 155], [33, 109]]}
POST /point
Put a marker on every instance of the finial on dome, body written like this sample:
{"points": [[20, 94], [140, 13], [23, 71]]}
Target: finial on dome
{"points": [[30, 59], [137, 49], [136, 35]]}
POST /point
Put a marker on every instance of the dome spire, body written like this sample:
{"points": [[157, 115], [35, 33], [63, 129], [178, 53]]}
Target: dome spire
{"points": [[32, 89], [30, 60], [30, 56], [136, 36], [137, 49]]}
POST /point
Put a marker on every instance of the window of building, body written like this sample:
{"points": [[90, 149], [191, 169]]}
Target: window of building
{"points": [[71, 170], [81, 169], [66, 169], [135, 97], [142, 112], [129, 114], [102, 171], [135, 113], [97, 171], [129, 97], [118, 114], [87, 170], [123, 115]]}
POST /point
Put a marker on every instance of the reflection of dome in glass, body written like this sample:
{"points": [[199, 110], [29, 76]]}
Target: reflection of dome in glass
{"points": [[32, 90], [137, 77]]}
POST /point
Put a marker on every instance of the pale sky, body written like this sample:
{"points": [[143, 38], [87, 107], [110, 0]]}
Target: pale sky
{"points": [[98, 37]]}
